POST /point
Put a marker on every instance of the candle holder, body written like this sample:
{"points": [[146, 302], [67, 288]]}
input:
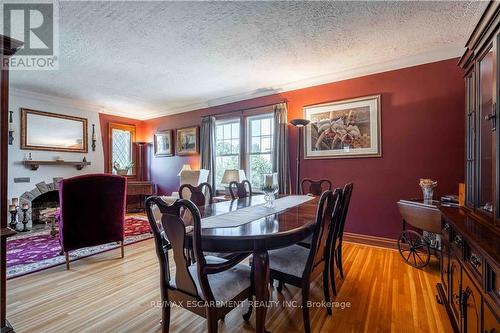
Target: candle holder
{"points": [[13, 218], [11, 130], [93, 138], [270, 188], [25, 219]]}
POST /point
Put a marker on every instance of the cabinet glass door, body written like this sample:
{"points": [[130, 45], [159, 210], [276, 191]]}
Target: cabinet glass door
{"points": [[470, 114], [485, 83]]}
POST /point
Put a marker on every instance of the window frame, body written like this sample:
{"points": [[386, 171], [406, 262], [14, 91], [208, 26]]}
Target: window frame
{"points": [[248, 138], [133, 153], [245, 139], [224, 121]]}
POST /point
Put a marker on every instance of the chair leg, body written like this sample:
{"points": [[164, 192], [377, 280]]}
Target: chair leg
{"points": [[188, 256], [332, 273], [248, 314], [326, 290], [280, 286], [66, 256], [165, 317], [212, 320], [168, 266], [305, 309], [338, 254], [122, 247]]}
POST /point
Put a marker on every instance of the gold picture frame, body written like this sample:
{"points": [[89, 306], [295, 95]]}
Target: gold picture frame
{"points": [[163, 143], [187, 141], [48, 131], [344, 129]]}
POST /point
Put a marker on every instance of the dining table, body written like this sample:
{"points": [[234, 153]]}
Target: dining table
{"points": [[246, 230]]}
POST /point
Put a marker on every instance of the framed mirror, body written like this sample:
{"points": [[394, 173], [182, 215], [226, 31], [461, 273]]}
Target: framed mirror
{"points": [[53, 132]]}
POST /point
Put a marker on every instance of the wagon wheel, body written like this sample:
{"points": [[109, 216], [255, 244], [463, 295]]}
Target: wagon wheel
{"points": [[414, 248]]}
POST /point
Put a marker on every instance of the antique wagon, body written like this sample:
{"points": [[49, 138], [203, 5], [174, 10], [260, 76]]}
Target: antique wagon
{"points": [[416, 246]]}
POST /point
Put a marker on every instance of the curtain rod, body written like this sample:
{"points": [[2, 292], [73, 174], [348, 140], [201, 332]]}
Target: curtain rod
{"points": [[243, 110]]}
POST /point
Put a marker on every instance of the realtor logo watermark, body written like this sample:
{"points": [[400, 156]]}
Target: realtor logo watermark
{"points": [[36, 24]]}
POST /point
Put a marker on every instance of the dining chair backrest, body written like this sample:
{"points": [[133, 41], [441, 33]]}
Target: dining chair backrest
{"points": [[326, 214], [174, 227], [346, 199], [162, 245], [201, 195], [239, 190], [315, 186], [193, 177]]}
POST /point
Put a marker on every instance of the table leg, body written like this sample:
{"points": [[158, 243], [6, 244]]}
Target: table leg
{"points": [[261, 285]]}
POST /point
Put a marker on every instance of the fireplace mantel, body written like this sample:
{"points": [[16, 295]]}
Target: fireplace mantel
{"points": [[34, 165]]}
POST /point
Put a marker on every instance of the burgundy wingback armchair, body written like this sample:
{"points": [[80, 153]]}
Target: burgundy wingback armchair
{"points": [[92, 211]]}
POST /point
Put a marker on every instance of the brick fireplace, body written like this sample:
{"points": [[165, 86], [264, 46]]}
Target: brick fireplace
{"points": [[43, 196]]}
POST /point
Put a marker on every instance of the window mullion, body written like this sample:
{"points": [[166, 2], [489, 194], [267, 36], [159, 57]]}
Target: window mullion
{"points": [[243, 145]]}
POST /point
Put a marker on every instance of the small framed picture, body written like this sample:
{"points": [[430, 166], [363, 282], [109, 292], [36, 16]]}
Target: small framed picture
{"points": [[187, 141], [163, 143]]}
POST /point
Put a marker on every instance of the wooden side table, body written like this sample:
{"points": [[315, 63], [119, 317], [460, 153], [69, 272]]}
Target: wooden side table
{"points": [[142, 189]]}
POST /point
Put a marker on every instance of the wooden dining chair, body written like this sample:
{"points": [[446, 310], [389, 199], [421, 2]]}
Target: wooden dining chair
{"points": [[315, 186], [239, 190], [299, 266], [337, 236], [337, 241], [201, 195], [211, 287]]}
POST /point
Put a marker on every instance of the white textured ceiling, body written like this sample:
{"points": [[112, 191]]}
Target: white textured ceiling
{"points": [[146, 59]]}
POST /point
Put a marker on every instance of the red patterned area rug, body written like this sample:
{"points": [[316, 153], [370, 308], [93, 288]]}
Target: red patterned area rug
{"points": [[28, 253]]}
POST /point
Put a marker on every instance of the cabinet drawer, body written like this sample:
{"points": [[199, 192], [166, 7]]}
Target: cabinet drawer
{"points": [[474, 261], [457, 244], [446, 230], [492, 282]]}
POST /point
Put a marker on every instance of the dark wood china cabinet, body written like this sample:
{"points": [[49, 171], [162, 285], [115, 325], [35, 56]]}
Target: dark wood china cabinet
{"points": [[470, 250], [482, 153], [8, 47]]}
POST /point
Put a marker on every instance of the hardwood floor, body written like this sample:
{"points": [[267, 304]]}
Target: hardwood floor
{"points": [[104, 293]]}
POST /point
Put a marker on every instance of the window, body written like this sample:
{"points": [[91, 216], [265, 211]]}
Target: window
{"points": [[227, 148], [260, 147], [251, 152], [121, 153]]}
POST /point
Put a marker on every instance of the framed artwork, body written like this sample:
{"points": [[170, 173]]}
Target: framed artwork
{"points": [[343, 129], [163, 143], [53, 132], [187, 141]]}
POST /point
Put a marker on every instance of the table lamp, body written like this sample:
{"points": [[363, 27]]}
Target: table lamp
{"points": [[299, 123], [185, 167], [231, 175]]}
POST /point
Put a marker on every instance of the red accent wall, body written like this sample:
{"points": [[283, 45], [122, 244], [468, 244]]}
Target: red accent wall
{"points": [[422, 136]]}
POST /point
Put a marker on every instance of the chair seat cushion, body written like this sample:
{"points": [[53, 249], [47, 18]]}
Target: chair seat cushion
{"points": [[306, 241], [225, 285], [290, 260]]}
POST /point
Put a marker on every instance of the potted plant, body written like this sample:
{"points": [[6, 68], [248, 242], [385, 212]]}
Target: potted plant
{"points": [[122, 169]]}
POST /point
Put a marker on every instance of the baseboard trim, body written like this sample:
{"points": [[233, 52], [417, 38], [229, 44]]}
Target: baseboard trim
{"points": [[387, 243]]}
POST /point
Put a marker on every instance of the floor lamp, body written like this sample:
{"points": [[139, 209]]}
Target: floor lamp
{"points": [[299, 123], [140, 162]]}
